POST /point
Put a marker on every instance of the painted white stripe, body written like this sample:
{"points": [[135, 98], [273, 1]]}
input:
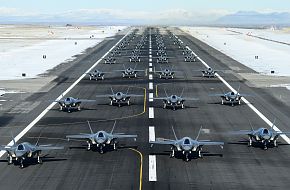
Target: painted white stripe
{"points": [[150, 97], [150, 76], [42, 114], [150, 56], [152, 168], [151, 133], [150, 70], [262, 116], [151, 113], [150, 52], [150, 64], [150, 85], [150, 60]]}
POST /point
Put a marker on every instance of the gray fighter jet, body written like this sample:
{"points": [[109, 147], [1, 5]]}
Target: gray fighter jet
{"points": [[97, 75], [166, 73], [23, 151], [266, 137], [119, 98], [209, 72], [101, 138], [70, 103], [186, 145], [129, 72], [231, 97], [174, 101]]}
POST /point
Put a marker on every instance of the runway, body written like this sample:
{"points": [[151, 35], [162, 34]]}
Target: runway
{"points": [[236, 166]]}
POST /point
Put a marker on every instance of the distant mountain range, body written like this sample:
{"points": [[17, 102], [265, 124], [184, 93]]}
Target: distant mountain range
{"points": [[255, 18]]}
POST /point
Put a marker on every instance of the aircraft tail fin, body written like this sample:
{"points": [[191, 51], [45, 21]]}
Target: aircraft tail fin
{"points": [[36, 144], [112, 90], [252, 128], [165, 93], [181, 94], [90, 127], [198, 133], [128, 90], [113, 127], [273, 124], [174, 132], [13, 139]]}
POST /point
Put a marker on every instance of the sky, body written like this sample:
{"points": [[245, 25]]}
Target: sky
{"points": [[140, 10]]}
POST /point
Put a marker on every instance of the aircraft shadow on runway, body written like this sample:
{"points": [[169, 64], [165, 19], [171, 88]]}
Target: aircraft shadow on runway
{"points": [[194, 156], [33, 161]]}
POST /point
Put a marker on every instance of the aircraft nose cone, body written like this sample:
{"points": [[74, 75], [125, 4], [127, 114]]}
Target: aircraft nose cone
{"points": [[19, 153], [267, 137], [186, 148]]}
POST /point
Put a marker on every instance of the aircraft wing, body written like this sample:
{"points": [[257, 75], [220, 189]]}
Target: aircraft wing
{"points": [[241, 132], [4, 147], [120, 136], [163, 141], [48, 147], [210, 143], [104, 96], [85, 100], [160, 98], [217, 95], [190, 99], [134, 95], [119, 70], [79, 136]]}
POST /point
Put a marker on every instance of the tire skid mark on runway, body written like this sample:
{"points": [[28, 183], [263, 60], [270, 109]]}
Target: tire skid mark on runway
{"points": [[45, 111], [262, 116]]}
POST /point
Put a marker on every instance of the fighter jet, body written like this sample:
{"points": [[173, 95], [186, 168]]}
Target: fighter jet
{"points": [[70, 103], [186, 145], [209, 72], [231, 97], [129, 72], [165, 73], [110, 60], [101, 138], [162, 59], [119, 98], [97, 75], [190, 58], [174, 101], [23, 151], [264, 136]]}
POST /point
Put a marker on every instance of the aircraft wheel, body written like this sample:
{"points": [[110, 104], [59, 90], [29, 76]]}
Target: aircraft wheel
{"points": [[128, 102]]}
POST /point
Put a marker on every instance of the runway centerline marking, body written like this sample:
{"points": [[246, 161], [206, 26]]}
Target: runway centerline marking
{"points": [[150, 97], [262, 116], [44, 112], [150, 60], [150, 85], [150, 77], [151, 113], [152, 168], [150, 70], [150, 64]]}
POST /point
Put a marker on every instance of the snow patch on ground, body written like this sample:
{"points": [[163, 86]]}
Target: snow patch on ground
{"points": [[26, 56], [244, 48]]}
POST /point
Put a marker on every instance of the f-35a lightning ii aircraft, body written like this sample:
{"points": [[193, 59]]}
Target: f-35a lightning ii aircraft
{"points": [[101, 138], [231, 97], [119, 98], [186, 145], [264, 136], [166, 73], [174, 101], [23, 151], [209, 72], [129, 72], [70, 103], [97, 75]]}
